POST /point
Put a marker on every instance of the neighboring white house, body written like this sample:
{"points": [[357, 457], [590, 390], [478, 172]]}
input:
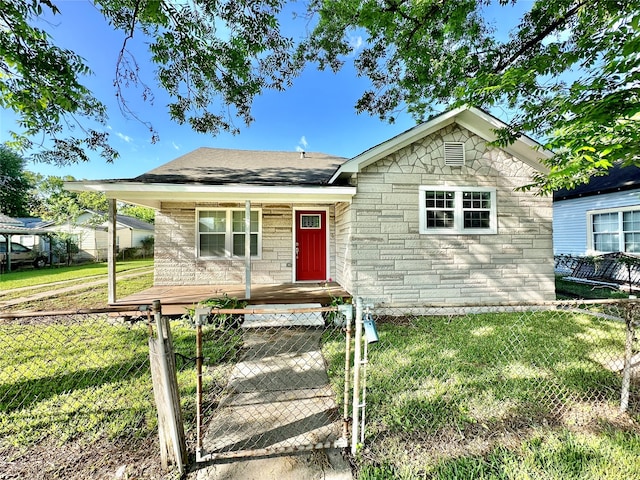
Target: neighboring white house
{"points": [[429, 216], [600, 217], [90, 231]]}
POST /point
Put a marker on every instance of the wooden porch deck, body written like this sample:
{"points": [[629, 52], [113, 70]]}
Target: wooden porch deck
{"points": [[175, 299]]}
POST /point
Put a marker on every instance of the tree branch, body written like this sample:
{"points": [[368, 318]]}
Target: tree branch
{"points": [[539, 37]]}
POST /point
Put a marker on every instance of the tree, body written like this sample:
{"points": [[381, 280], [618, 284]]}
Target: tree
{"points": [[51, 201], [569, 70], [14, 184], [136, 211], [204, 51], [54, 202]]}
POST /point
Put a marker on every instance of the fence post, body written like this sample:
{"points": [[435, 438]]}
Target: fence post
{"points": [[200, 318], [629, 320], [173, 449], [347, 311], [357, 355]]}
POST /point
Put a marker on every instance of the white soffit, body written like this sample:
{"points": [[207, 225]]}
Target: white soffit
{"points": [[152, 195]]}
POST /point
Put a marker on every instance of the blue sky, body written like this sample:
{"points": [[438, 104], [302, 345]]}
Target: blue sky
{"points": [[316, 114]]}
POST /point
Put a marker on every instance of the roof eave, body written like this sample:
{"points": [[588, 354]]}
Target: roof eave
{"points": [[152, 195]]}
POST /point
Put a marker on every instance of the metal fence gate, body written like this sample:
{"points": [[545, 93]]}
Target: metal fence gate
{"points": [[272, 380]]}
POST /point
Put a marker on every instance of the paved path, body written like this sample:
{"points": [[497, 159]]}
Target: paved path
{"points": [[82, 285], [278, 396]]}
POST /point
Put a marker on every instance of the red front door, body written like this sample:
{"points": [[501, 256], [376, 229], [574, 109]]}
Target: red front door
{"points": [[311, 245]]}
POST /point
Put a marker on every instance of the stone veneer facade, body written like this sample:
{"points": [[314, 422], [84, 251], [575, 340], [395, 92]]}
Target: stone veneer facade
{"points": [[376, 250], [383, 257], [176, 262]]}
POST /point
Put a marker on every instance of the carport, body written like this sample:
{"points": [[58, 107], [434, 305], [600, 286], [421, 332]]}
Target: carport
{"points": [[10, 227]]}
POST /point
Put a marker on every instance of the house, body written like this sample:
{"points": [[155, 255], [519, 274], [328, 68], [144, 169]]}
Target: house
{"points": [[600, 217], [89, 233], [429, 216]]}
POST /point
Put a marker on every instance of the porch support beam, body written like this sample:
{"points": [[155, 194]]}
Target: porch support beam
{"points": [[247, 248], [111, 251]]}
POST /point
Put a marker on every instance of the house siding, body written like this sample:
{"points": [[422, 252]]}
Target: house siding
{"points": [[570, 227], [175, 247], [393, 263], [343, 246]]}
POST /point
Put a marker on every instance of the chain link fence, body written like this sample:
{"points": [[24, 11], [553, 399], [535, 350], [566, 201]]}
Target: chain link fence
{"points": [[502, 392], [263, 381], [76, 397], [619, 270]]}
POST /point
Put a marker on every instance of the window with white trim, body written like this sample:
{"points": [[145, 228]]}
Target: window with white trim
{"points": [[615, 231], [221, 233], [458, 210]]}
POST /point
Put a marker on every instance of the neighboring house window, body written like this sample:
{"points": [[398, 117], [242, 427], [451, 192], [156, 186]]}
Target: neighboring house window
{"points": [[615, 231], [221, 233], [458, 210]]}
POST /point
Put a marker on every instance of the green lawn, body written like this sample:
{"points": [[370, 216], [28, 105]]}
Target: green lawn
{"points": [[29, 278], [495, 396], [568, 289], [88, 378]]}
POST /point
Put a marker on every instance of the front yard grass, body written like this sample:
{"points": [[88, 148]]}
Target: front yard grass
{"points": [[87, 378], [87, 297], [495, 396], [568, 289], [32, 278]]}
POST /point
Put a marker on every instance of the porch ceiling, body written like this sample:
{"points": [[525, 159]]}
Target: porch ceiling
{"points": [[152, 195], [175, 299]]}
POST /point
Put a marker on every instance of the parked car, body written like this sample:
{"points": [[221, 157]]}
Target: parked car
{"points": [[21, 255]]}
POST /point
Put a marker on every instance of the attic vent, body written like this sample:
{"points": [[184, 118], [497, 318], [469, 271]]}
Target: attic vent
{"points": [[454, 154]]}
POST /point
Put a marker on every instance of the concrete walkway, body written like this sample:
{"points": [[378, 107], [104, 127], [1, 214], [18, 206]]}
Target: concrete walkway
{"points": [[278, 397]]}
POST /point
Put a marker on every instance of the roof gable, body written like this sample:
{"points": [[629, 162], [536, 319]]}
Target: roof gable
{"points": [[473, 119]]}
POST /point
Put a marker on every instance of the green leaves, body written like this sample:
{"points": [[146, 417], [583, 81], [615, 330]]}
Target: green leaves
{"points": [[40, 83], [14, 184], [569, 72]]}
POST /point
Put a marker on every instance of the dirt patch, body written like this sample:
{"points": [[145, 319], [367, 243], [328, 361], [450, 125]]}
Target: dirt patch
{"points": [[79, 460]]}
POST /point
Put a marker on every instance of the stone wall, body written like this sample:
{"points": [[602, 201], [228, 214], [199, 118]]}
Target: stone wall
{"points": [[176, 262], [393, 263]]}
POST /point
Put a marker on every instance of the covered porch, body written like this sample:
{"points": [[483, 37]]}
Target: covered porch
{"points": [[176, 298]]}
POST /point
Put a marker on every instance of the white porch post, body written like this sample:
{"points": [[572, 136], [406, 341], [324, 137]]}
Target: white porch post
{"points": [[247, 248], [111, 251]]}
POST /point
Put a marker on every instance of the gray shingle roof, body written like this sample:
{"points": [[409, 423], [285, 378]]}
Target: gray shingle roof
{"points": [[617, 179], [217, 166], [133, 222], [6, 220]]}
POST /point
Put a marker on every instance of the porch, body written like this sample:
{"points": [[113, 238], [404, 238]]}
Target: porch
{"points": [[176, 298]]}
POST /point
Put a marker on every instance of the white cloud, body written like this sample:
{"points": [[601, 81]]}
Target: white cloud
{"points": [[175, 145], [302, 144], [355, 42], [124, 137]]}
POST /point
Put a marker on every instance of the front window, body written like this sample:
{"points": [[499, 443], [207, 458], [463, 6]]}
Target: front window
{"points": [[453, 210], [221, 233], [615, 231]]}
